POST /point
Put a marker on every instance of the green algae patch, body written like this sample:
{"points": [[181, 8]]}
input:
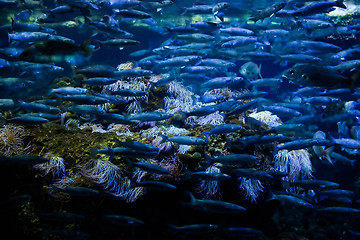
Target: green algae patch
{"points": [[71, 144]]}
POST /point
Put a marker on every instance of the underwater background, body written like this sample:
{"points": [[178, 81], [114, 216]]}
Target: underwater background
{"points": [[129, 119]]}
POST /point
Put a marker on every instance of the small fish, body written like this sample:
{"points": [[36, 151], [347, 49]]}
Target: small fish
{"points": [[150, 116], [197, 229], [184, 140], [77, 191], [250, 70], [208, 176], [215, 206], [267, 12], [223, 129], [124, 221], [68, 91], [321, 76], [319, 7], [338, 210], [149, 167], [320, 150], [233, 159], [137, 146], [250, 173], [24, 120], [120, 43], [312, 184], [303, 143], [56, 51], [22, 160], [156, 185]]}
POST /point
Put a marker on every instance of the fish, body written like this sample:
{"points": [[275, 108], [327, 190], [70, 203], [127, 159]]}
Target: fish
{"points": [[320, 150], [150, 116], [56, 51], [24, 120], [121, 43], [250, 70], [77, 191], [149, 167], [233, 159], [156, 185], [223, 129], [22, 160], [250, 173], [184, 140], [290, 200], [318, 7], [122, 220], [267, 12], [303, 143], [197, 229], [207, 176], [215, 206], [318, 76], [132, 13]]}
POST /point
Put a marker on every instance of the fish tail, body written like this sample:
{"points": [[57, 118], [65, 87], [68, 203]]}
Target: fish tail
{"points": [[207, 134], [286, 185], [118, 143], [209, 159], [2, 121], [93, 152], [164, 138], [328, 154], [340, 3], [85, 46], [352, 80]]}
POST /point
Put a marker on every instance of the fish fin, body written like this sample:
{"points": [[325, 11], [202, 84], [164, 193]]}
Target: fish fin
{"points": [[328, 152], [163, 138], [219, 15], [209, 160], [93, 152], [112, 155], [340, 3], [260, 71], [85, 46], [207, 134], [351, 81], [118, 143], [2, 121], [184, 12]]}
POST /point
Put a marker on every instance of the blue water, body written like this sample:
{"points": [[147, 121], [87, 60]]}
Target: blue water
{"points": [[34, 195]]}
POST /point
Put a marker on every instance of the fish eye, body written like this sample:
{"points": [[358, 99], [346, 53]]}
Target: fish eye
{"points": [[304, 76], [292, 72]]}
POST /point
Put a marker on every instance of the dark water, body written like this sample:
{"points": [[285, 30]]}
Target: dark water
{"points": [[35, 198]]}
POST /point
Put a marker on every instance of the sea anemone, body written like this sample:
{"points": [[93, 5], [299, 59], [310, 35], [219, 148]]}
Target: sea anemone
{"points": [[111, 177], [120, 129], [211, 189], [56, 166], [296, 163], [267, 117], [12, 140], [251, 187], [213, 119]]}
